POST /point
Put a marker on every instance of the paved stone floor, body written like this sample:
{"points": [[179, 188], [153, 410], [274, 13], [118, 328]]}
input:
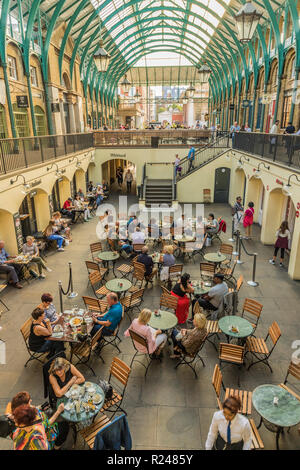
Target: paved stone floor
{"points": [[170, 409]]}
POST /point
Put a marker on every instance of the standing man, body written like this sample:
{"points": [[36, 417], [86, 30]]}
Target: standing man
{"points": [[234, 128], [128, 178], [191, 158], [273, 130], [238, 211], [8, 267]]}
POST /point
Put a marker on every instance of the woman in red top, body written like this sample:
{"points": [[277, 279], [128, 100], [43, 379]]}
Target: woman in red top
{"points": [[180, 290], [248, 219]]}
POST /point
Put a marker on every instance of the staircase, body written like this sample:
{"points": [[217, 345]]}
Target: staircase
{"points": [[158, 192]]}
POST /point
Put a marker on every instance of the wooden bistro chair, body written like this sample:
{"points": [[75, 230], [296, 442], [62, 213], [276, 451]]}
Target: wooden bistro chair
{"points": [[228, 272], [92, 266], [118, 378], [95, 305], [165, 290], [294, 370], [252, 311], [207, 270], [258, 347], [138, 277], [137, 247], [99, 289], [83, 351], [33, 356], [96, 248], [141, 340], [126, 269], [175, 272], [132, 301], [243, 395], [114, 339], [89, 434], [191, 360], [190, 250], [226, 249], [257, 443], [232, 354], [168, 302]]}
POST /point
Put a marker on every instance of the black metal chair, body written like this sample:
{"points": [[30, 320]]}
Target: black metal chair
{"points": [[191, 360], [118, 378], [137, 338]]}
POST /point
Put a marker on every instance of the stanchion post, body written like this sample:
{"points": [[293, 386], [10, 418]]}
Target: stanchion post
{"points": [[72, 294], [239, 261], [253, 283], [235, 252], [60, 296], [232, 231]]}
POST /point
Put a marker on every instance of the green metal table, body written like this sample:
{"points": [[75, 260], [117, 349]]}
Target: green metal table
{"points": [[200, 290], [244, 327], [276, 417], [108, 256], [214, 258], [166, 321], [118, 285]]}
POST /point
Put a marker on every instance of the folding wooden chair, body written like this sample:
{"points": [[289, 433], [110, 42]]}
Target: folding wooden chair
{"points": [[228, 273], [3, 286], [189, 250], [257, 443], [232, 354], [96, 279], [83, 351], [89, 434], [252, 311], [207, 270], [132, 300], [191, 360], [226, 249], [137, 247], [258, 346], [95, 305], [92, 266], [96, 248], [107, 340], [118, 377], [243, 395], [175, 272], [213, 330], [165, 290], [141, 340], [294, 370], [138, 276], [168, 302], [25, 331]]}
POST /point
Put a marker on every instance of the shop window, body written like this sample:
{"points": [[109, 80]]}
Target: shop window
{"points": [[28, 216], [21, 120], [286, 108], [3, 130], [12, 67], [33, 76], [55, 197], [40, 121]]}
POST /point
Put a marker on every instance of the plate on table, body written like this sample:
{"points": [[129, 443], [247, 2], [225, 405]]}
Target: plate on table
{"points": [[97, 398], [75, 321], [58, 334], [58, 329]]}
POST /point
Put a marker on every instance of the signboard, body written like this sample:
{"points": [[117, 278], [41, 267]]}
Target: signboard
{"points": [[22, 101], [18, 230], [55, 107]]}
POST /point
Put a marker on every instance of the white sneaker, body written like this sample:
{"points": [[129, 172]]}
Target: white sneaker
{"points": [[48, 270], [271, 261], [281, 265], [60, 249], [42, 276]]}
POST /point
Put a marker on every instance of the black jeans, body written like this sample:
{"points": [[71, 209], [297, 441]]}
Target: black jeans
{"points": [[205, 304], [220, 444], [281, 252], [175, 341], [129, 186], [63, 430]]}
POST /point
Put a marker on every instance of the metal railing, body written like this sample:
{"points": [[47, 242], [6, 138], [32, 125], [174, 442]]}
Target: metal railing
{"points": [[203, 155], [16, 154], [281, 148]]}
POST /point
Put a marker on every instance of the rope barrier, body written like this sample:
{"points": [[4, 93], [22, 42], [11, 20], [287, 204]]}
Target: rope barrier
{"points": [[69, 292]]}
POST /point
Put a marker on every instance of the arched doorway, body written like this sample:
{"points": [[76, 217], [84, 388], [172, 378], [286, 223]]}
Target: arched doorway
{"points": [[9, 229], [256, 194], [109, 174], [34, 212]]}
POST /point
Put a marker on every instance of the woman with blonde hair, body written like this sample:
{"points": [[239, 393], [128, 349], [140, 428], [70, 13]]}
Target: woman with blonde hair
{"points": [[167, 259], [31, 249], [62, 375], [189, 341], [156, 338]]}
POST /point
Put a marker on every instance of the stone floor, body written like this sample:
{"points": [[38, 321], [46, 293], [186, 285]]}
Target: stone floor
{"points": [[170, 409]]}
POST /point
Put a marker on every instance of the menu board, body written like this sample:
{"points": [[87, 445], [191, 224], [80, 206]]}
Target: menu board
{"points": [[18, 229]]}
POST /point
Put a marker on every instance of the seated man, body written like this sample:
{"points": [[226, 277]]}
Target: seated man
{"points": [[138, 236], [147, 261], [68, 209], [213, 299], [110, 319], [8, 267]]}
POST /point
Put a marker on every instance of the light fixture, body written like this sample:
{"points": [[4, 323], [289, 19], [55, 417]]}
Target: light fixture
{"points": [[286, 189], [101, 57], [190, 91], [257, 173], [185, 99], [126, 84], [247, 20], [137, 96], [204, 73], [50, 167]]}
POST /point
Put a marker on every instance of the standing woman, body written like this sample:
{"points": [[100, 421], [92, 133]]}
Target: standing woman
{"points": [[283, 236], [248, 219], [180, 290], [229, 429]]}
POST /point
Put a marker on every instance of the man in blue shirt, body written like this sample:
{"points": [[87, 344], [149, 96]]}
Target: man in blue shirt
{"points": [[191, 158], [7, 267], [110, 319]]}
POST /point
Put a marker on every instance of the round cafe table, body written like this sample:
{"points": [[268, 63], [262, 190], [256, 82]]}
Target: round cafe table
{"points": [[214, 258], [107, 256], [114, 285], [245, 328], [200, 290], [166, 321], [184, 239], [276, 417]]}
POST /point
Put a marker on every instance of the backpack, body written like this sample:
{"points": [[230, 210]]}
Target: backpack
{"points": [[107, 389], [7, 426]]}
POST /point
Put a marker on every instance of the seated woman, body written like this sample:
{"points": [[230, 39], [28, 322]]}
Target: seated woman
{"points": [[155, 338], [49, 308], [40, 330], [189, 341], [30, 432], [167, 259], [30, 248], [180, 290], [211, 227], [62, 375], [80, 206], [51, 235], [61, 224]]}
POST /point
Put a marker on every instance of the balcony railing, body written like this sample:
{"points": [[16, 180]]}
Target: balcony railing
{"points": [[281, 148], [16, 154]]}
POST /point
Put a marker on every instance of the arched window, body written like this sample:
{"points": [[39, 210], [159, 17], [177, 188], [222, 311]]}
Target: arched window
{"points": [[40, 121], [21, 120], [3, 129]]}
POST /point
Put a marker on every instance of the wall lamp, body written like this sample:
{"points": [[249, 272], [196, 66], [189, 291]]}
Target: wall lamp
{"points": [[240, 162], [78, 163], [286, 187], [12, 181], [257, 170]]}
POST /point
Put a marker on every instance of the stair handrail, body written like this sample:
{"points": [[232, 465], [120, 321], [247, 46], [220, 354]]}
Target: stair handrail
{"points": [[210, 145]]}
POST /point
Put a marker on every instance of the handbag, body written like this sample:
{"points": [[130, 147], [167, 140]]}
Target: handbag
{"points": [[7, 426], [107, 389]]}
